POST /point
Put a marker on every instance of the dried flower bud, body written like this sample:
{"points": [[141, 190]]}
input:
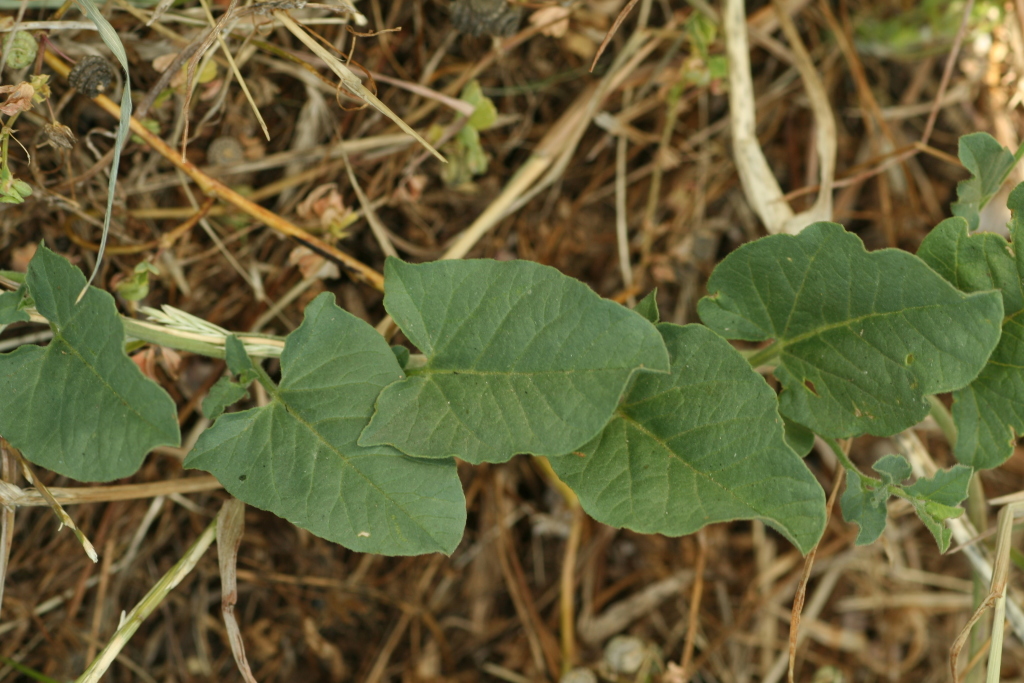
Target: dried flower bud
{"points": [[58, 135], [92, 76], [23, 50]]}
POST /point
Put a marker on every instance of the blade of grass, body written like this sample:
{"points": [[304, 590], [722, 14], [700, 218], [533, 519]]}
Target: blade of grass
{"points": [[350, 80], [109, 37]]}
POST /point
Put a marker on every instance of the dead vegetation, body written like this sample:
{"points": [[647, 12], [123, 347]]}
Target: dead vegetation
{"points": [[624, 177]]}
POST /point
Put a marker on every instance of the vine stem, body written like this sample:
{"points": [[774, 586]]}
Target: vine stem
{"points": [[762, 356], [940, 413]]}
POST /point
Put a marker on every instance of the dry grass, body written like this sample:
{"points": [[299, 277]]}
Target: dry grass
{"points": [[623, 178]]}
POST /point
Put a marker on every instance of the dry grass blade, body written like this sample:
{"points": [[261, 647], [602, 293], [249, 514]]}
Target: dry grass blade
{"points": [[230, 527], [349, 80], [146, 606], [63, 517], [213, 187], [996, 598]]}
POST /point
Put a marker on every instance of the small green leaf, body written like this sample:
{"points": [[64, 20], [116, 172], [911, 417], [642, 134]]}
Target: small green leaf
{"points": [[648, 307], [297, 457], [894, 469], [519, 359], [80, 406], [485, 114], [860, 338], [136, 287], [934, 500], [10, 307], [222, 394], [861, 505], [704, 444], [990, 410], [799, 438], [989, 163], [237, 359]]}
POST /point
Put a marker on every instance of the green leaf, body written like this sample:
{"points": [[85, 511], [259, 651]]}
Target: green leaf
{"points": [[297, 457], [222, 394], [861, 505], [990, 410], [989, 163], [136, 287], [519, 359], [799, 438], [485, 113], [860, 338], [648, 307], [80, 406], [10, 307], [237, 359], [701, 445], [401, 355], [934, 500]]}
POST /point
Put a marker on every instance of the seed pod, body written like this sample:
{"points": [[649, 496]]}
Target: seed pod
{"points": [[225, 151], [23, 50], [479, 17], [92, 76]]}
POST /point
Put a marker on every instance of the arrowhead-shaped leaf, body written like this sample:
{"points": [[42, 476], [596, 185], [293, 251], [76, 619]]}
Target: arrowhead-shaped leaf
{"points": [[297, 457], [989, 164], [860, 338], [703, 444], [520, 359], [80, 406], [990, 410]]}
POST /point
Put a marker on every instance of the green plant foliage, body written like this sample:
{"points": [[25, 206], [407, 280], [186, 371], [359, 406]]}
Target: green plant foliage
{"points": [[519, 359], [990, 410], [989, 163], [934, 500], [648, 307], [80, 406], [798, 437], [11, 307], [860, 337], [226, 392], [703, 444], [136, 287], [297, 457]]}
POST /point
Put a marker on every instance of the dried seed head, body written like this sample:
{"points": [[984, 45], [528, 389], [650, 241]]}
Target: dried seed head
{"points": [[23, 50], [92, 76], [477, 17], [225, 151], [58, 135]]}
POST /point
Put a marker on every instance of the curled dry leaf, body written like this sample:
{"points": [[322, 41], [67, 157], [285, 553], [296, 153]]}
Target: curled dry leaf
{"points": [[325, 205], [19, 98], [312, 264], [20, 256], [553, 18]]}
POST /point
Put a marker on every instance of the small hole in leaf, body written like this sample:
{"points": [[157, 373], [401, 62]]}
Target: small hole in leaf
{"points": [[810, 386], [909, 360], [242, 477]]}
